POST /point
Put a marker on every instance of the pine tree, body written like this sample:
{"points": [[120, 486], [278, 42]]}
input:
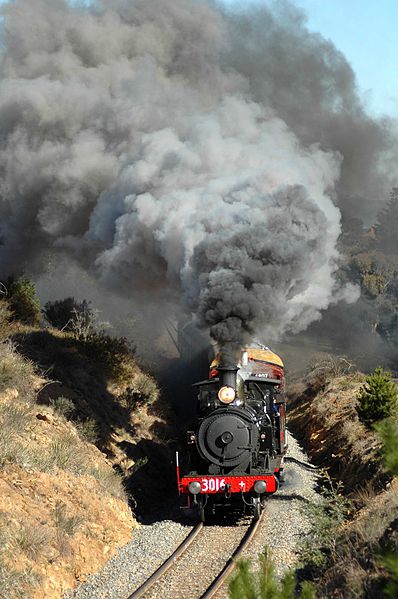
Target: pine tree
{"points": [[377, 397], [263, 584]]}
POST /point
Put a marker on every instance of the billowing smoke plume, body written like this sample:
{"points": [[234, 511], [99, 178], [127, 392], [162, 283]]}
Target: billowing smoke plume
{"points": [[182, 153]]}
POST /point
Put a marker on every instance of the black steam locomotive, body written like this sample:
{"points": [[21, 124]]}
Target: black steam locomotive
{"points": [[236, 445]]}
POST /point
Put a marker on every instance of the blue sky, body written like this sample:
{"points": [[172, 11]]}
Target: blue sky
{"points": [[366, 31]]}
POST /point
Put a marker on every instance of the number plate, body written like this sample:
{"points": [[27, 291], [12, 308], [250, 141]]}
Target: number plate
{"points": [[212, 485]]}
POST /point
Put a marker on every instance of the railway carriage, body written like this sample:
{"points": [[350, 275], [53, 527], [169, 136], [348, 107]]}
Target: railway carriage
{"points": [[236, 445]]}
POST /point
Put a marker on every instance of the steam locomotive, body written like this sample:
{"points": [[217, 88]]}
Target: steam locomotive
{"points": [[236, 445]]}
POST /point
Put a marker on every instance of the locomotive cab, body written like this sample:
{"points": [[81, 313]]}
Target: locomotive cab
{"points": [[236, 444]]}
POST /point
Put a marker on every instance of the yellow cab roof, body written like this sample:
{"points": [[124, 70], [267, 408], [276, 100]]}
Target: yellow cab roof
{"points": [[255, 353], [265, 355]]}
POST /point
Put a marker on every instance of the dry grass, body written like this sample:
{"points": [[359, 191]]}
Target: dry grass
{"points": [[66, 523], [40, 447], [67, 453], [32, 539], [15, 371], [110, 482], [16, 583], [5, 315]]}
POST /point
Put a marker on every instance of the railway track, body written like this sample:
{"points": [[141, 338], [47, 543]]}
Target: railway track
{"points": [[166, 580]]}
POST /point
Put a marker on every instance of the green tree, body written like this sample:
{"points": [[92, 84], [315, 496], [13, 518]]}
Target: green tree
{"points": [[388, 431], [23, 301], [263, 584], [66, 313], [377, 397]]}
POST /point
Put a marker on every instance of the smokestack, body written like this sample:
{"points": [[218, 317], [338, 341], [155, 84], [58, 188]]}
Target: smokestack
{"points": [[228, 376]]}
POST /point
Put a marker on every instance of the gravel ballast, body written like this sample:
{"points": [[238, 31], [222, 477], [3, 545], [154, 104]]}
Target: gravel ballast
{"points": [[134, 563], [282, 526]]}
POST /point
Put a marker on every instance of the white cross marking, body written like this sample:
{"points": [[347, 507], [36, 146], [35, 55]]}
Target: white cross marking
{"points": [[242, 485]]}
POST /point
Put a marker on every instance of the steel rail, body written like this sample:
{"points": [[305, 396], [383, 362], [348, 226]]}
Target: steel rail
{"points": [[168, 563], [231, 563]]}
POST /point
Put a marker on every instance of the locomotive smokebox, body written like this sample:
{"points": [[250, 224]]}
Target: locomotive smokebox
{"points": [[228, 376]]}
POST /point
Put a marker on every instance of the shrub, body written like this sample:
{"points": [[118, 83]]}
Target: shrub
{"points": [[326, 518], [263, 584], [143, 391], [87, 430], [62, 405], [390, 562], [69, 314], [377, 397], [323, 368], [23, 301], [114, 353], [388, 432]]}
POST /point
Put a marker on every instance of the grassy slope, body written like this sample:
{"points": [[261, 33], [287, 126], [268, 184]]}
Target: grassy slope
{"points": [[63, 508], [323, 416]]}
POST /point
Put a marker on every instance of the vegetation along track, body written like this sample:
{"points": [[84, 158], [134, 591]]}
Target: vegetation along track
{"points": [[201, 564]]}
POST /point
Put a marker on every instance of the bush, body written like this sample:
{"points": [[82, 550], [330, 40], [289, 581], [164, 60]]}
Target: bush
{"points": [[68, 313], [388, 431], [63, 406], [323, 368], [263, 584], [377, 398], [87, 430], [114, 353], [142, 391], [23, 301], [326, 517], [390, 562]]}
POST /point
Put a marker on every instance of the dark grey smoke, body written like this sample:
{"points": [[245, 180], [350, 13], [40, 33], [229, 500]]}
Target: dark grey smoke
{"points": [[312, 87], [182, 154]]}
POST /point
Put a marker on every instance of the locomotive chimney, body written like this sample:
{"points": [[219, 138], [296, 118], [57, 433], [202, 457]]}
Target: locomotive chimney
{"points": [[228, 365], [228, 376]]}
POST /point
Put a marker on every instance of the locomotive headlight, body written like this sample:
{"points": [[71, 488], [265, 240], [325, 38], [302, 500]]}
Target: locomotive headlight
{"points": [[226, 394], [194, 487], [259, 486]]}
